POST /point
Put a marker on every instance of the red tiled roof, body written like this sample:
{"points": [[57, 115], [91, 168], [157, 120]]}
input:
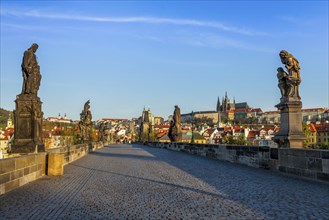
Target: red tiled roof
{"points": [[114, 119], [252, 134], [323, 127], [313, 109], [312, 127], [256, 110], [241, 110], [271, 112]]}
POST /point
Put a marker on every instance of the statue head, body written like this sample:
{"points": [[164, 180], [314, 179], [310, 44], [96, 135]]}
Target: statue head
{"points": [[280, 70], [34, 47], [283, 54]]}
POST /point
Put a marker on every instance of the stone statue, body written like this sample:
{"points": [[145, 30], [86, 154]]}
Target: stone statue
{"points": [[85, 122], [283, 84], [289, 82], [175, 132], [87, 112], [31, 71], [291, 133], [28, 113]]}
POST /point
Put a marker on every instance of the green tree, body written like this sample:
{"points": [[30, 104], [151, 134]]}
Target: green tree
{"points": [[198, 122], [323, 146], [228, 139], [241, 140], [307, 132]]}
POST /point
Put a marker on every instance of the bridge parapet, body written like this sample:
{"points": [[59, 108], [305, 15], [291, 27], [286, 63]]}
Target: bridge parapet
{"points": [[308, 163], [17, 171]]}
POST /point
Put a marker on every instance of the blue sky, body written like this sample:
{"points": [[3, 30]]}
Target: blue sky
{"points": [[127, 55]]}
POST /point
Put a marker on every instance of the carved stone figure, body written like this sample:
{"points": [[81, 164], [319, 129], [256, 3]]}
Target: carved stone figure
{"points": [[291, 134], [31, 71], [85, 122], [291, 79], [28, 114], [283, 84], [175, 132], [87, 112]]}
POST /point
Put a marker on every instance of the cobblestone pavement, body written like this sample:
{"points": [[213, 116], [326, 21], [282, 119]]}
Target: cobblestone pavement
{"points": [[139, 182]]}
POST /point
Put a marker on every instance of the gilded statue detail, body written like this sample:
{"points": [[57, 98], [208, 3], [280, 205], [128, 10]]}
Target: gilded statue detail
{"points": [[289, 81]]}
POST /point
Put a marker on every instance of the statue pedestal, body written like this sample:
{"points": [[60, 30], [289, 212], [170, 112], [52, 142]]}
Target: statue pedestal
{"points": [[291, 133], [28, 125]]}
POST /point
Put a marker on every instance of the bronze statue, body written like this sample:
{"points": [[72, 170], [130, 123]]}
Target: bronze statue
{"points": [[289, 82], [175, 132], [31, 71]]}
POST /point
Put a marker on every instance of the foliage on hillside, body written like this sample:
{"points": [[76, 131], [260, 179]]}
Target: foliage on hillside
{"points": [[4, 115]]}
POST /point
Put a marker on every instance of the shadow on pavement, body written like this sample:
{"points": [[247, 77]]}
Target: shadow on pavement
{"points": [[261, 190], [126, 155], [152, 181]]}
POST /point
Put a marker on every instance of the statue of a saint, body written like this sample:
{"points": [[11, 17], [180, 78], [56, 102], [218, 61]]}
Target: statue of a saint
{"points": [[87, 112], [175, 133], [291, 79], [283, 85], [31, 71]]}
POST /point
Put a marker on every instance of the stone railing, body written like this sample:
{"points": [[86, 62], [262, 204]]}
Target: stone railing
{"points": [[59, 157], [17, 171], [308, 163], [70, 153]]}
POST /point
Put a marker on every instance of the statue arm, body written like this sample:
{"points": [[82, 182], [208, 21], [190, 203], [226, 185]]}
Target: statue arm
{"points": [[289, 64], [26, 62]]}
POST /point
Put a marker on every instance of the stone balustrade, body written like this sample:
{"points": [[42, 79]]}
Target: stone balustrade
{"points": [[17, 171], [308, 163]]}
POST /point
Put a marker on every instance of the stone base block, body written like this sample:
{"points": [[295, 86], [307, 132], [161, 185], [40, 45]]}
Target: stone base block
{"points": [[55, 164]]}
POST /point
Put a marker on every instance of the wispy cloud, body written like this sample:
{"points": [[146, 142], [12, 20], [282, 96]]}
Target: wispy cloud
{"points": [[217, 41], [295, 20], [142, 19]]}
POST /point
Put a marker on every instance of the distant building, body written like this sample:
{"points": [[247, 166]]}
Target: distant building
{"points": [[224, 110], [314, 114], [322, 130], [6, 137], [59, 119], [158, 120], [112, 121], [308, 115], [270, 117], [185, 118]]}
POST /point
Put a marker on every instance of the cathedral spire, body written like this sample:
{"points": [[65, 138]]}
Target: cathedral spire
{"points": [[218, 105]]}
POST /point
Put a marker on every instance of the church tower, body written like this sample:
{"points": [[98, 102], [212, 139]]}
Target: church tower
{"points": [[218, 105], [9, 122]]}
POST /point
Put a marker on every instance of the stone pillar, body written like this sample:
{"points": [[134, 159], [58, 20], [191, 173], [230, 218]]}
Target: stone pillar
{"points": [[55, 164], [291, 132], [28, 125]]}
